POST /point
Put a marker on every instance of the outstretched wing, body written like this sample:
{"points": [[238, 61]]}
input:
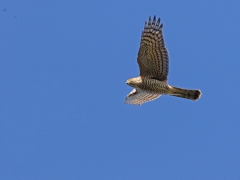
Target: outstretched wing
{"points": [[137, 97], [153, 55]]}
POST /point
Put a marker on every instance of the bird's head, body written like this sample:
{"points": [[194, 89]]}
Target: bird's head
{"points": [[134, 82]]}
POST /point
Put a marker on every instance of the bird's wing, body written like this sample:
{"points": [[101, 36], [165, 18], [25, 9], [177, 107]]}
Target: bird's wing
{"points": [[137, 97], [153, 55]]}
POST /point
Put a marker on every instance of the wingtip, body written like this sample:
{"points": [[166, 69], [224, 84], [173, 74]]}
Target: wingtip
{"points": [[146, 24], [150, 18], [152, 22], [161, 26], [154, 19], [149, 21], [158, 22]]}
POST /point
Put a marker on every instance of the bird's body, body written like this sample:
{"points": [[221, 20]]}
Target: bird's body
{"points": [[153, 63], [150, 85]]}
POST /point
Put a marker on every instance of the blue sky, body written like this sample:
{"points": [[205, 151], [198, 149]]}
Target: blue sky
{"points": [[63, 70]]}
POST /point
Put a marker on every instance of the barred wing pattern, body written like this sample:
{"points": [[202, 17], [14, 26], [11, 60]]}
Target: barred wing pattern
{"points": [[138, 97], [153, 55]]}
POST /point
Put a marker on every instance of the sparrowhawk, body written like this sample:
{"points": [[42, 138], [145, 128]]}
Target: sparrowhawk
{"points": [[153, 63]]}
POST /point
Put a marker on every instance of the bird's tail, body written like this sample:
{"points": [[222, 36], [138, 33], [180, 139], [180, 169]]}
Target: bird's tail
{"points": [[185, 93]]}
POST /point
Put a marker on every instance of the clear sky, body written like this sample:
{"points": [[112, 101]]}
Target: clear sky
{"points": [[63, 68]]}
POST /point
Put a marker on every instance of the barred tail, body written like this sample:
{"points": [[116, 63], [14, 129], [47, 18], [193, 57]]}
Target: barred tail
{"points": [[185, 93]]}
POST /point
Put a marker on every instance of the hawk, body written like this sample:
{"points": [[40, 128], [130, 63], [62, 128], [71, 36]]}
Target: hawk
{"points": [[153, 64]]}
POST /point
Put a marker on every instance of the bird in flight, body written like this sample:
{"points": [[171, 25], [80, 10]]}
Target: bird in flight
{"points": [[153, 64]]}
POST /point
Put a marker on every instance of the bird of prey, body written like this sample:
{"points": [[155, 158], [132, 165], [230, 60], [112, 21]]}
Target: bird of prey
{"points": [[153, 63]]}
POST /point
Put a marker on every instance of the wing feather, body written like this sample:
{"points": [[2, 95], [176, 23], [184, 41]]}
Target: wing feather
{"points": [[137, 97], [153, 56]]}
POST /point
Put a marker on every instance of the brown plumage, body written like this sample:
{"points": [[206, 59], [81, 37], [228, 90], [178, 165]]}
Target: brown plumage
{"points": [[153, 63]]}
